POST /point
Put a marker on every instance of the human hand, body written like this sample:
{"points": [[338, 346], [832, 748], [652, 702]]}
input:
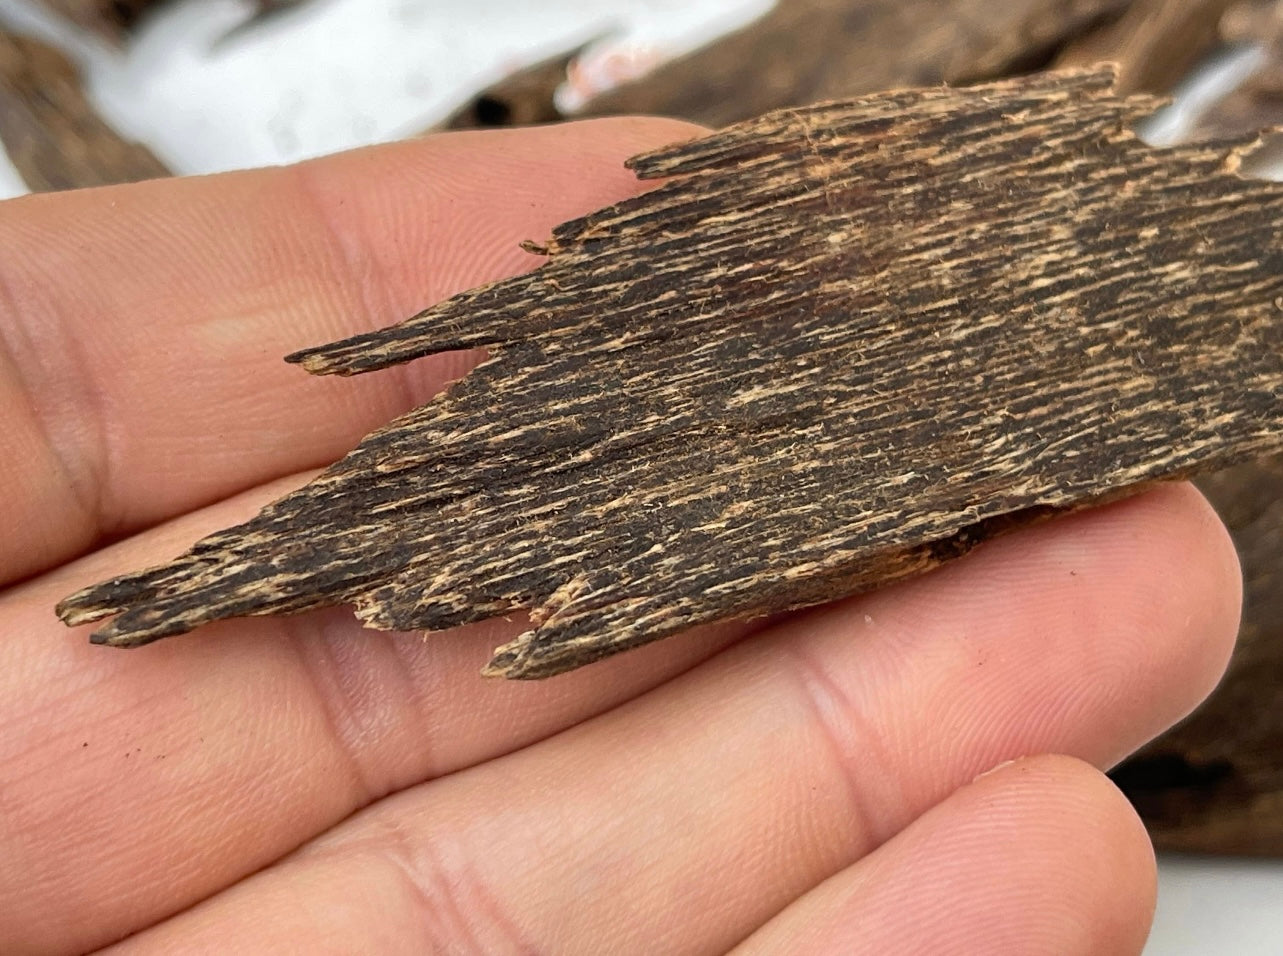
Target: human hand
{"points": [[807, 784]]}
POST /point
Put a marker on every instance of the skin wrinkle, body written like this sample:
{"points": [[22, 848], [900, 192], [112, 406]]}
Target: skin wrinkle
{"points": [[448, 898], [828, 705], [85, 480], [410, 691], [336, 712], [361, 271], [334, 673]]}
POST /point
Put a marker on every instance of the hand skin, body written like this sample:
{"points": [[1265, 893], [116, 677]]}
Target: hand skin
{"points": [[810, 785]]}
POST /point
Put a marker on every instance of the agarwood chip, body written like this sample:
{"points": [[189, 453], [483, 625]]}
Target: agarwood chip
{"points": [[843, 344]]}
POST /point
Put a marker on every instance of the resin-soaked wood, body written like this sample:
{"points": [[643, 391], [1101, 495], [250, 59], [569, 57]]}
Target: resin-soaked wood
{"points": [[843, 344]]}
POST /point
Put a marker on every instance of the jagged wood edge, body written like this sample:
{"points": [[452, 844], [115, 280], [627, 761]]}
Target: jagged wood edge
{"points": [[583, 613]]}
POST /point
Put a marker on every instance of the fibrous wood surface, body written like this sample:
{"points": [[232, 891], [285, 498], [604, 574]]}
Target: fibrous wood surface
{"points": [[49, 130], [809, 50], [844, 343]]}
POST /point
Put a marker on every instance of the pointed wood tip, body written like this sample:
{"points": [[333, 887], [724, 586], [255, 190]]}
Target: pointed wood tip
{"points": [[136, 628], [85, 607], [512, 661], [322, 360]]}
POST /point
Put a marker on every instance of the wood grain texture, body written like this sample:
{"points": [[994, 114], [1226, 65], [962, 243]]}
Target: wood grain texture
{"points": [[809, 50], [841, 345], [50, 131]]}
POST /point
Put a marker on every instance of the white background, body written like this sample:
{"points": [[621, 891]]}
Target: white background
{"points": [[341, 73]]}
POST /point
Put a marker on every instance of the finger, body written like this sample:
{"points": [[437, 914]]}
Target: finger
{"points": [[1039, 856], [685, 820], [142, 328], [133, 784]]}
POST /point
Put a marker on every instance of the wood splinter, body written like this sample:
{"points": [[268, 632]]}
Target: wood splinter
{"points": [[840, 345]]}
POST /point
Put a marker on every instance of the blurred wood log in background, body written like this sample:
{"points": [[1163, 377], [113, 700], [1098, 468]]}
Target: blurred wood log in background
{"points": [[810, 50], [523, 99], [110, 19], [114, 19], [51, 133], [1216, 782], [1156, 43], [804, 51]]}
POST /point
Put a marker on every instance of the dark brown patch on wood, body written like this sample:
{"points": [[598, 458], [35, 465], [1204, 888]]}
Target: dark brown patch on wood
{"points": [[51, 132], [842, 344]]}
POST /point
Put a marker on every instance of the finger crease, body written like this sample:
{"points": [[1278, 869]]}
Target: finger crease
{"points": [[358, 269], [331, 704], [83, 461], [855, 749], [455, 907]]}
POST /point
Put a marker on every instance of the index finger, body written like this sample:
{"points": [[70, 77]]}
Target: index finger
{"points": [[142, 327]]}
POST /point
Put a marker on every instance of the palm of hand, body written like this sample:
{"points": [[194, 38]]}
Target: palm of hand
{"points": [[807, 784]]}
